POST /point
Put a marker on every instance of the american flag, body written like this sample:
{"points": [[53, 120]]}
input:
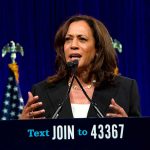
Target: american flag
{"points": [[12, 102]]}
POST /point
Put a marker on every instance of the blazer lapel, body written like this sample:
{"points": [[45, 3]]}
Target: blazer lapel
{"points": [[102, 97]]}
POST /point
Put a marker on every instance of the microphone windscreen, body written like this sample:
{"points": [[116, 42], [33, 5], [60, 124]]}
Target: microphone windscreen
{"points": [[70, 64], [76, 62]]}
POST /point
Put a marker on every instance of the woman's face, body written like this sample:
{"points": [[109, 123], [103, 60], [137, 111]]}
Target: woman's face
{"points": [[79, 44]]}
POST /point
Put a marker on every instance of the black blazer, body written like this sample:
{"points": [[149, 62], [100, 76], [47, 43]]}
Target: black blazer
{"points": [[124, 91]]}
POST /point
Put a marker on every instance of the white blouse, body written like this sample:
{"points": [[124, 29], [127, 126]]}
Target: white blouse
{"points": [[80, 110]]}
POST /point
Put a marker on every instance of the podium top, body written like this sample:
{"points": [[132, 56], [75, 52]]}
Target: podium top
{"points": [[123, 133]]}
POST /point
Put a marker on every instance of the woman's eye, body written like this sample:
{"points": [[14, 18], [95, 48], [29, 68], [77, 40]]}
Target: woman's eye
{"points": [[67, 39], [83, 39]]}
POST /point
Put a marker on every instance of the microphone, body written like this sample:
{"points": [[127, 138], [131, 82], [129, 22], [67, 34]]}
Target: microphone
{"points": [[73, 67], [99, 114]]}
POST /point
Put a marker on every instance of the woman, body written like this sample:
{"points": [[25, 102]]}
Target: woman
{"points": [[87, 40]]}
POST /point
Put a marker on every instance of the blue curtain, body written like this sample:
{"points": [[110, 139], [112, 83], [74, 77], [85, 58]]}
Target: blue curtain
{"points": [[33, 24]]}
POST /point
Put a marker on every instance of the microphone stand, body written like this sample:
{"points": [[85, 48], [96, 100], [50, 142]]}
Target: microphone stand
{"points": [[73, 66], [99, 114]]}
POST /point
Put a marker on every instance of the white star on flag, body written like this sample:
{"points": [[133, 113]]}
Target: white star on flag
{"points": [[12, 113], [20, 107], [7, 94], [5, 111], [3, 118], [15, 88], [6, 102], [14, 97], [8, 86], [13, 105], [21, 99], [10, 78]]}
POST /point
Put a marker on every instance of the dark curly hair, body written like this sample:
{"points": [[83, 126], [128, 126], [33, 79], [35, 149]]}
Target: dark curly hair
{"points": [[103, 65]]}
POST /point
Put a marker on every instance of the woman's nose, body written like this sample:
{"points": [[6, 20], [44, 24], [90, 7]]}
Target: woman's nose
{"points": [[74, 44]]}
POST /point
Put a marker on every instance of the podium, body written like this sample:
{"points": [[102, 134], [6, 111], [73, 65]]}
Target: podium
{"points": [[76, 134]]}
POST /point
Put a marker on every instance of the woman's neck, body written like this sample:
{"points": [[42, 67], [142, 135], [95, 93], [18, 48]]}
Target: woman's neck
{"points": [[83, 75]]}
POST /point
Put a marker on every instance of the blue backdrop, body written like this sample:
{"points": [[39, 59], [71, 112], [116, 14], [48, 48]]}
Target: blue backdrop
{"points": [[33, 23]]}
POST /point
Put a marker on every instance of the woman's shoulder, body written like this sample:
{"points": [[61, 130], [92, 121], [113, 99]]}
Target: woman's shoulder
{"points": [[40, 83], [122, 80]]}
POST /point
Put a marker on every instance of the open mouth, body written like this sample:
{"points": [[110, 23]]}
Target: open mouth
{"points": [[75, 56]]}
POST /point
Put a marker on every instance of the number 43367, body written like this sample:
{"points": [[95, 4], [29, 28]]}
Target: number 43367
{"points": [[107, 131]]}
